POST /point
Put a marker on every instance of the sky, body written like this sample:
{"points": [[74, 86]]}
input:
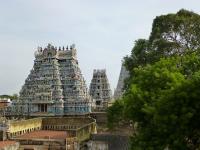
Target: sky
{"points": [[103, 31]]}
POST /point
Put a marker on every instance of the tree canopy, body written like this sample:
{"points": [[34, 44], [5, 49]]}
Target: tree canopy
{"points": [[172, 34], [12, 97], [162, 97], [159, 101]]}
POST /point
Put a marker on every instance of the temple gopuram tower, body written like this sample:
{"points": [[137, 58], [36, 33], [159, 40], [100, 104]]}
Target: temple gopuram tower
{"points": [[100, 89], [120, 85], [55, 85]]}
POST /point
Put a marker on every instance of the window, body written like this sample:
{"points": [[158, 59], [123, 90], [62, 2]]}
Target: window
{"points": [[98, 102], [49, 55]]}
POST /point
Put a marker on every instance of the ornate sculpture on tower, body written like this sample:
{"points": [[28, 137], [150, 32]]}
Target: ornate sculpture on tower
{"points": [[100, 89], [55, 85]]}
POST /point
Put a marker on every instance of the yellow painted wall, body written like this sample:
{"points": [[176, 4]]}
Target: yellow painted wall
{"points": [[17, 126]]}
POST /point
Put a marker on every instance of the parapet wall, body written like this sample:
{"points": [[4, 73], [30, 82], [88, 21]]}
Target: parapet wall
{"points": [[114, 142], [23, 126], [100, 117], [75, 126], [76, 121]]}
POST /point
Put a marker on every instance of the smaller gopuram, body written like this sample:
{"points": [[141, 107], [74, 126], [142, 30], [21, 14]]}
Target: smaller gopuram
{"points": [[100, 89], [120, 85]]}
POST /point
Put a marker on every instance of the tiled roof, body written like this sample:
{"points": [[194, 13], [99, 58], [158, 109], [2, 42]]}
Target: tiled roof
{"points": [[6, 143], [44, 134]]}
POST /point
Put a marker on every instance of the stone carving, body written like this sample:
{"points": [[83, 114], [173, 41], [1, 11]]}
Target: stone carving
{"points": [[100, 89], [55, 85]]}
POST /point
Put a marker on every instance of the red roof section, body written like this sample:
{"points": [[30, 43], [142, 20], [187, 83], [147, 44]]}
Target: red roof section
{"points": [[44, 134], [6, 143], [3, 105]]}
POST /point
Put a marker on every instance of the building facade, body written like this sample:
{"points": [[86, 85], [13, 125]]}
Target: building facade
{"points": [[54, 133], [55, 85]]}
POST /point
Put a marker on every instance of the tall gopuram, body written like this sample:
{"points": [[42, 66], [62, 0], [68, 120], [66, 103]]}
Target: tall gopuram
{"points": [[55, 85], [100, 89], [120, 85]]}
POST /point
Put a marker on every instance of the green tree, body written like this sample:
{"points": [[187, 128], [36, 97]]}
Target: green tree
{"points": [[139, 55], [115, 114], [172, 34], [14, 96], [154, 101], [162, 94], [175, 33], [177, 115]]}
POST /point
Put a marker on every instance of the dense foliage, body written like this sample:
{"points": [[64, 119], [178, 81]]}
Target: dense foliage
{"points": [[163, 91], [115, 114], [155, 101], [12, 97], [172, 34]]}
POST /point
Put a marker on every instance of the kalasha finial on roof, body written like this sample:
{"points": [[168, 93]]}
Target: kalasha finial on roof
{"points": [[39, 49], [49, 45], [73, 46]]}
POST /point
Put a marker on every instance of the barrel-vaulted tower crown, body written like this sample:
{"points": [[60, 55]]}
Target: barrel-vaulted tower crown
{"points": [[51, 51]]}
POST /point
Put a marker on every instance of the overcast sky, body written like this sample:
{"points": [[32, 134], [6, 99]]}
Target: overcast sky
{"points": [[104, 32]]}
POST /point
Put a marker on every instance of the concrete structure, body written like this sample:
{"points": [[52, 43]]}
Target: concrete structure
{"points": [[97, 145], [108, 142], [5, 102], [43, 140], [120, 85], [55, 85], [100, 89], [9, 145], [100, 117], [51, 132]]}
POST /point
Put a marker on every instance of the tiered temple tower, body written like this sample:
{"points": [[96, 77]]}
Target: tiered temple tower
{"points": [[100, 89], [120, 85], [55, 85]]}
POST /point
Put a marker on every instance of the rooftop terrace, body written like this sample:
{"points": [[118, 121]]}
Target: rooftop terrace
{"points": [[44, 134]]}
